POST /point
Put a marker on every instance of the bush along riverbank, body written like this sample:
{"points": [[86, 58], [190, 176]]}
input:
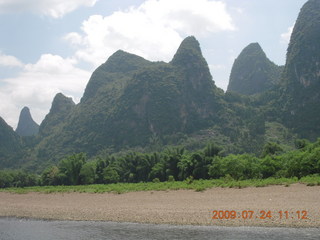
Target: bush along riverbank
{"points": [[174, 168]]}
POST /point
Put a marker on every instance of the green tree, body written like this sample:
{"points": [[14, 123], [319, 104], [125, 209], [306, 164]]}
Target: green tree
{"points": [[310, 162], [185, 166], [212, 150], [270, 149], [158, 171], [215, 170], [100, 166], [88, 173], [301, 143], [200, 165], [70, 168], [6, 179], [269, 166], [50, 176], [233, 166], [110, 175], [172, 157]]}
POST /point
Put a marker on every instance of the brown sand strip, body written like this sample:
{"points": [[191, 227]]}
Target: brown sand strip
{"points": [[174, 207]]}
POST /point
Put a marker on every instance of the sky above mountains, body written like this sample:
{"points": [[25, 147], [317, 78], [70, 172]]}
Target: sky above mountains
{"points": [[52, 46]]}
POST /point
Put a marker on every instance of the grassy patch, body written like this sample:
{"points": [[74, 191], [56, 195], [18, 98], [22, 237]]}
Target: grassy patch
{"points": [[196, 185]]}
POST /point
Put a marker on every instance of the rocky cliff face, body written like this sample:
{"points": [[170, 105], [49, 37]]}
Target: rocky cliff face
{"points": [[301, 78], [252, 72], [302, 68], [10, 145], [26, 125]]}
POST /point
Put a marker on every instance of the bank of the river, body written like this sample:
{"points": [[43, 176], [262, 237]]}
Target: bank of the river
{"points": [[295, 206]]}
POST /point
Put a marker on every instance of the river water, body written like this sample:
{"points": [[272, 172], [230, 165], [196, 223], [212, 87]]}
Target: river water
{"points": [[25, 229]]}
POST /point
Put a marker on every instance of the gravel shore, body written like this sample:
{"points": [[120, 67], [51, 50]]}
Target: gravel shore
{"points": [[300, 206]]}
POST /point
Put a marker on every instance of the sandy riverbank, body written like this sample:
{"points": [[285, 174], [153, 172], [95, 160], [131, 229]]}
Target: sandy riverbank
{"points": [[174, 207]]}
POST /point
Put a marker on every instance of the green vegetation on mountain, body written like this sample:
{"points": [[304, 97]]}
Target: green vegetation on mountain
{"points": [[26, 126], [252, 72]]}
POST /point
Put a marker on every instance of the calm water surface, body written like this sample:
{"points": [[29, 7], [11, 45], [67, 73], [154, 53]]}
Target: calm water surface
{"points": [[22, 229]]}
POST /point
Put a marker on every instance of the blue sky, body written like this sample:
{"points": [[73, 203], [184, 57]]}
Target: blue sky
{"points": [[51, 46]]}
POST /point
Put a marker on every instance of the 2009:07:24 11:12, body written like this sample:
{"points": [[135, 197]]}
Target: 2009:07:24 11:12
{"points": [[249, 214]]}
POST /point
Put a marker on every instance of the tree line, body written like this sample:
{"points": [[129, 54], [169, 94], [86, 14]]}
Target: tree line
{"points": [[173, 164]]}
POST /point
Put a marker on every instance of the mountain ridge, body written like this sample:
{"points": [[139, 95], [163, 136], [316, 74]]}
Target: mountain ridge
{"points": [[132, 103], [128, 100]]}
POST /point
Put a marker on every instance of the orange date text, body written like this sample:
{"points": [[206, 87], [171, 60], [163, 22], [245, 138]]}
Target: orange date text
{"points": [[260, 214]]}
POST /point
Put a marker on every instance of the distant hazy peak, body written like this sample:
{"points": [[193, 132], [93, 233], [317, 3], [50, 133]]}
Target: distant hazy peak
{"points": [[26, 125], [252, 72], [26, 111]]}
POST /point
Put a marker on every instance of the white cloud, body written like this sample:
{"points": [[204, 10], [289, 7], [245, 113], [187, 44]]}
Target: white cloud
{"points": [[285, 37], [9, 61], [53, 8], [153, 30], [37, 85], [240, 10]]}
